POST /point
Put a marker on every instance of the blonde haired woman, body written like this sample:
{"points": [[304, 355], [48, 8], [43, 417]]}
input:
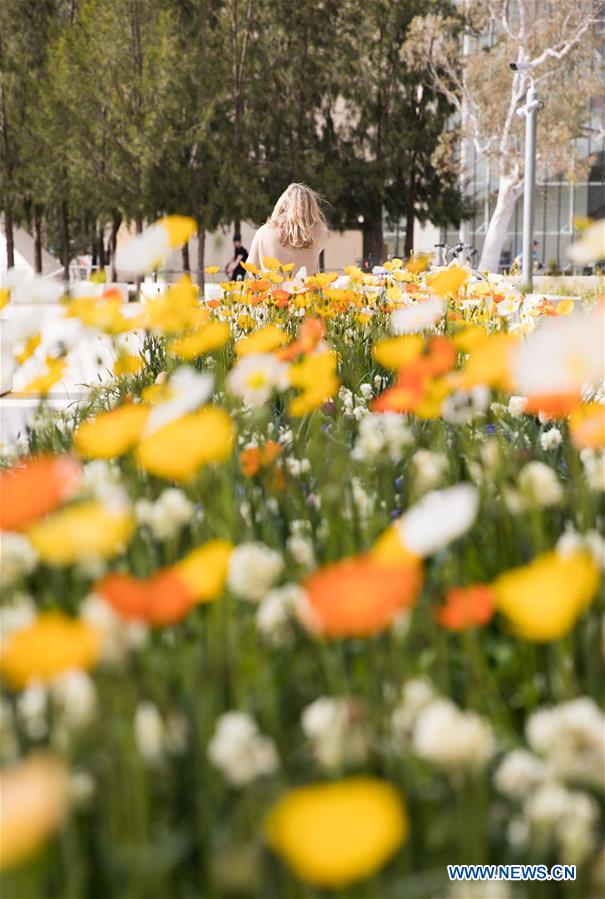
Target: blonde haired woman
{"points": [[295, 232]]}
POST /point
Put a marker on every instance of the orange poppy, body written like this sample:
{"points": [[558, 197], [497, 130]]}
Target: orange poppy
{"points": [[466, 607], [587, 426], [358, 597], [311, 332], [261, 284], [254, 458], [441, 355], [405, 395], [35, 486], [160, 600], [558, 405]]}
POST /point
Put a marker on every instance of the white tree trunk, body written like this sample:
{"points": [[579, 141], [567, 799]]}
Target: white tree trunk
{"points": [[509, 190]]}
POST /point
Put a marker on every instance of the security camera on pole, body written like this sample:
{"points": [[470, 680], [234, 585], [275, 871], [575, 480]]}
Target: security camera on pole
{"points": [[530, 111]]}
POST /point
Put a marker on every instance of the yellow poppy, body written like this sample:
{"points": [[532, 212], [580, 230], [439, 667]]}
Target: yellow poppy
{"points": [[542, 600], [209, 337], [176, 310], [178, 449], [490, 362], [250, 268], [83, 531], [270, 262], [587, 426], [4, 297], [315, 375], [34, 800], [49, 646], [29, 348], [111, 434], [43, 383], [212, 269], [204, 570], [180, 228], [127, 364], [389, 549], [397, 352], [269, 338], [448, 281], [332, 834]]}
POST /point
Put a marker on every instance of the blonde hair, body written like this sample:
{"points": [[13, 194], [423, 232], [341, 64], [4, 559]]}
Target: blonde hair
{"points": [[296, 216]]}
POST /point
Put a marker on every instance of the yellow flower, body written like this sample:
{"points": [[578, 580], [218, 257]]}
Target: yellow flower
{"points": [[490, 362], [565, 307], [315, 375], [389, 549], [448, 281], [417, 264], [466, 338], [332, 834], [49, 646], [111, 434], [270, 262], [43, 383], [177, 309], [288, 267], [543, 599], [397, 352], [204, 570], [29, 348], [393, 294], [4, 297], [127, 364], [180, 228], [102, 314], [269, 338], [587, 426], [34, 801], [83, 531], [250, 268], [178, 449], [212, 269], [209, 337]]}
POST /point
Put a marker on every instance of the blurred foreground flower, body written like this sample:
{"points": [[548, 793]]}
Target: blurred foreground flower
{"points": [[333, 834], [51, 645], [315, 376], [358, 597], [542, 600], [33, 799], [240, 751], [86, 531], [591, 246], [111, 434], [35, 486], [178, 449], [147, 251]]}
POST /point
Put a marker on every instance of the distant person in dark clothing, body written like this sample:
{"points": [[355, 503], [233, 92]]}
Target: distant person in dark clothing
{"points": [[234, 269]]}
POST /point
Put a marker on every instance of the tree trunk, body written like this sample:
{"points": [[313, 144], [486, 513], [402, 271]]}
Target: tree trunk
{"points": [[9, 234], [408, 247], [201, 254], [185, 255], [65, 238], [116, 221], [373, 244], [509, 190], [237, 226], [38, 241], [138, 221], [102, 256]]}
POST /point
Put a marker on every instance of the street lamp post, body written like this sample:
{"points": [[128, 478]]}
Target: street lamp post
{"points": [[531, 120]]}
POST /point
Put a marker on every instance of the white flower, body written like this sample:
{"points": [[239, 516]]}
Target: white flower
{"points": [[297, 467], [540, 485], [516, 406], [591, 245], [302, 551], [594, 468], [336, 730], [567, 815], [240, 751], [101, 479], [144, 252], [167, 515], [550, 439], [32, 709], [430, 469], [149, 732], [34, 290], [187, 389], [118, 637], [254, 378], [276, 612], [253, 569], [416, 695], [451, 738], [571, 738], [440, 517], [75, 697], [381, 433], [418, 317], [463, 405], [571, 541], [562, 355], [15, 616], [518, 773], [17, 557]]}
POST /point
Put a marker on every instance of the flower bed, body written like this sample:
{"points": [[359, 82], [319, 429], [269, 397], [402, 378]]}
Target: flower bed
{"points": [[309, 597]]}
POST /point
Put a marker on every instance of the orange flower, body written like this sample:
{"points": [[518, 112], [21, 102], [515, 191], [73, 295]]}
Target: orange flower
{"points": [[35, 486], [466, 607], [311, 332], [558, 405], [587, 426], [160, 600], [254, 458], [358, 597]]}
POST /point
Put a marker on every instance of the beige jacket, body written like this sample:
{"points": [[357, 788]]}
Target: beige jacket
{"points": [[266, 243]]}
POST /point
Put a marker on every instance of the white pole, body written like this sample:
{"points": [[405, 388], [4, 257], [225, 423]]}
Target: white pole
{"points": [[531, 120]]}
